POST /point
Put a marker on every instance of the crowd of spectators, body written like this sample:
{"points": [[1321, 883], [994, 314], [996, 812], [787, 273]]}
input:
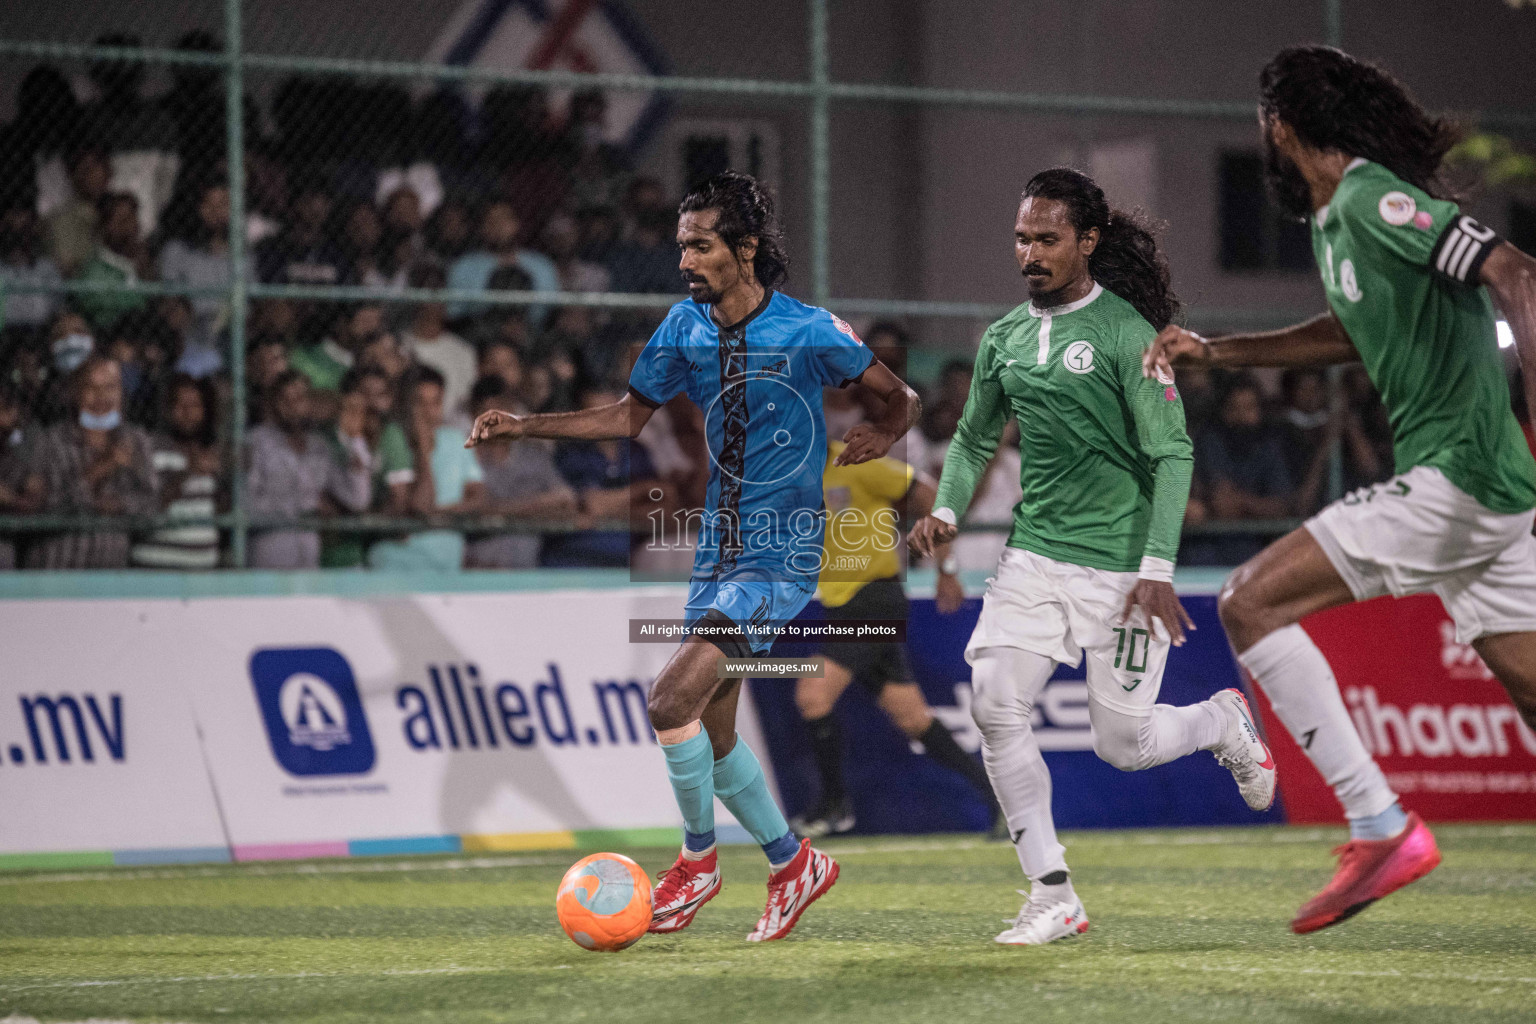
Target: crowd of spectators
{"points": [[1264, 453], [118, 403]]}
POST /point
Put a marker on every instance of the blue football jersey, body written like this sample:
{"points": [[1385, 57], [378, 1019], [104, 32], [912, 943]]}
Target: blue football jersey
{"points": [[759, 383]]}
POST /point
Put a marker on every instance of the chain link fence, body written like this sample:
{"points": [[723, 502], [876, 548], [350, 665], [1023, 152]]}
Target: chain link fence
{"points": [[271, 361]]}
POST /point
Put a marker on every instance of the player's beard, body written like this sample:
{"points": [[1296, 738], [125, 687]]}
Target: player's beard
{"points": [[1287, 187], [699, 291]]}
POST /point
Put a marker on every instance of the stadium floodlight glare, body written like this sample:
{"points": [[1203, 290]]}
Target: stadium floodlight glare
{"points": [[1506, 336]]}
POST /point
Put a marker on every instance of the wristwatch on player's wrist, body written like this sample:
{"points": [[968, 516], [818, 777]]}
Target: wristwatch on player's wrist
{"points": [[950, 566]]}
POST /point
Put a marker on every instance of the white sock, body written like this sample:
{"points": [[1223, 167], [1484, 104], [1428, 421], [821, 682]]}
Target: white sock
{"points": [[1062, 893], [1005, 682], [1305, 695], [1137, 742], [698, 854]]}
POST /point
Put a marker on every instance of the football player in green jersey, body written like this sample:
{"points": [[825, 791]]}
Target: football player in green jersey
{"points": [[1089, 563], [1409, 280]]}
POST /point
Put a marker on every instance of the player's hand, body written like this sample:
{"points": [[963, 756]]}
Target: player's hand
{"points": [[948, 594], [1173, 345], [494, 423], [862, 443], [1159, 601], [928, 532]]}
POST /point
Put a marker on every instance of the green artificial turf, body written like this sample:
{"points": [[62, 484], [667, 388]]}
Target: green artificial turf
{"points": [[1186, 926]]}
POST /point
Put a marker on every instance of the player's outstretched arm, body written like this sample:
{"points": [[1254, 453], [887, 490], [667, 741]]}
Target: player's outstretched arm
{"points": [[1511, 279], [1320, 341], [865, 441], [624, 418]]}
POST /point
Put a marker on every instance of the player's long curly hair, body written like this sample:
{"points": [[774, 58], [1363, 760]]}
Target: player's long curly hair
{"points": [[1335, 101], [1126, 260], [746, 211]]}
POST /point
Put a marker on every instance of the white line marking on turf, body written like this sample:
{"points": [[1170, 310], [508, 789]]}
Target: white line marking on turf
{"points": [[1476, 979], [198, 979], [1233, 837], [1479, 979], [347, 867]]}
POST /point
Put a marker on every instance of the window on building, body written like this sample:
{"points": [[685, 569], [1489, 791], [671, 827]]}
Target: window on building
{"points": [[1255, 235]]}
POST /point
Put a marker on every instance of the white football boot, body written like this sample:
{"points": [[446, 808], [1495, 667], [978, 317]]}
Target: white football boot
{"points": [[1243, 753], [1041, 921]]}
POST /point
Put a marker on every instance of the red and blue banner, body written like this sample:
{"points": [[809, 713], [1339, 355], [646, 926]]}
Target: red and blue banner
{"points": [[1427, 708]]}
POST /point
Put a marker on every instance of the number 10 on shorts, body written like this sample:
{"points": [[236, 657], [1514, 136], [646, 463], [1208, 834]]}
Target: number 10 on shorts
{"points": [[1136, 636]]}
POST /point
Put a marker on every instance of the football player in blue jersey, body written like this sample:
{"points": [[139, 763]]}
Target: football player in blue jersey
{"points": [[756, 361]]}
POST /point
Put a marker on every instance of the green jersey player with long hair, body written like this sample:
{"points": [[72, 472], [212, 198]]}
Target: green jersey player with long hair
{"points": [[1089, 565], [1411, 283]]}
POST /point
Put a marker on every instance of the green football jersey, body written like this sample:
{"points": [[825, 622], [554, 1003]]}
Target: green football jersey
{"points": [[1400, 269], [1106, 461]]}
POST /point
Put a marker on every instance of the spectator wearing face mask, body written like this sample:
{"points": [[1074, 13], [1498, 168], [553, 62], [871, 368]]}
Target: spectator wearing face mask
{"points": [[95, 465], [294, 471], [70, 343], [190, 479]]}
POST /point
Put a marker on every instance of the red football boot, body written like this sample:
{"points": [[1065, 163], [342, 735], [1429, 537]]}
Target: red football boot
{"points": [[685, 887], [799, 884], [1368, 870]]}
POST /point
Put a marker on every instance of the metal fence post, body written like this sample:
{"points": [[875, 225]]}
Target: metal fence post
{"points": [[1333, 22], [234, 114], [821, 130]]}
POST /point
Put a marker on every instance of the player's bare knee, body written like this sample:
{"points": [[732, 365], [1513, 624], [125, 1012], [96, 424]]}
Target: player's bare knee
{"points": [[1242, 613], [666, 711]]}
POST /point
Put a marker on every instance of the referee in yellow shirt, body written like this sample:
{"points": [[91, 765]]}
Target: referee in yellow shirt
{"points": [[859, 583]]}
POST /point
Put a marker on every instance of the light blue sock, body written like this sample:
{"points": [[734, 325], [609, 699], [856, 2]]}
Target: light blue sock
{"points": [[1385, 825], [740, 785], [689, 766]]}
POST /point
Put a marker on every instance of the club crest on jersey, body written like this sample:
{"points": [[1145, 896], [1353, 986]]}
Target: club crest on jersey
{"points": [[1397, 208], [1078, 357], [842, 325]]}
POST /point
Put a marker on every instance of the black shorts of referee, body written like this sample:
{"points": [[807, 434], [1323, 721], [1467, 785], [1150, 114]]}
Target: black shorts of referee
{"points": [[873, 664]]}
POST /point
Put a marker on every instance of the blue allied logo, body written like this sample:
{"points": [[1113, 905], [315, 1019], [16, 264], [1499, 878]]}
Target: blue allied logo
{"points": [[312, 710]]}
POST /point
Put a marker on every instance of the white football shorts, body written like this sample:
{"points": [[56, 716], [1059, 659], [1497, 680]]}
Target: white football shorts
{"points": [[1419, 533], [1063, 611]]}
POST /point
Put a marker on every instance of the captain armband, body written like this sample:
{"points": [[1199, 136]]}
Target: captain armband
{"points": [[1462, 249]]}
